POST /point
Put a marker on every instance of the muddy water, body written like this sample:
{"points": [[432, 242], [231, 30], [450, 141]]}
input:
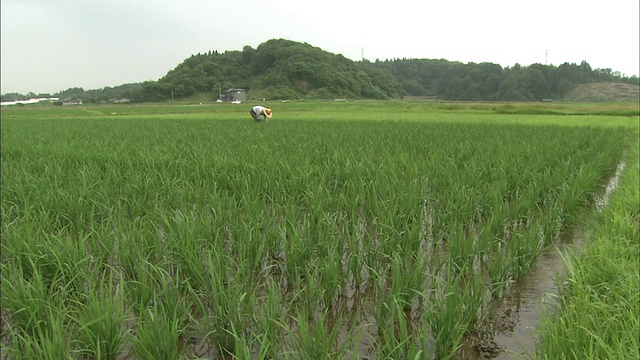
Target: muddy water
{"points": [[603, 200], [514, 320], [516, 317]]}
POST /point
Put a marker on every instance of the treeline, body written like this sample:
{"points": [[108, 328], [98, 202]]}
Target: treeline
{"points": [[491, 82], [130, 92], [284, 69]]}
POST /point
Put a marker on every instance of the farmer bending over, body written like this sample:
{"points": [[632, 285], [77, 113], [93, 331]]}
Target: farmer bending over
{"points": [[258, 111]]}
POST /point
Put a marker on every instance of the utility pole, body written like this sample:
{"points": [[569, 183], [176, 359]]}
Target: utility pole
{"points": [[546, 53], [362, 54]]}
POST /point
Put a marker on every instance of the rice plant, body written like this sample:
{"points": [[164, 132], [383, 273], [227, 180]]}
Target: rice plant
{"points": [[100, 321]]}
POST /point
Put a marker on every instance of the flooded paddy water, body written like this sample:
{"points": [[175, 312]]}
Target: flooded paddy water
{"points": [[514, 319]]}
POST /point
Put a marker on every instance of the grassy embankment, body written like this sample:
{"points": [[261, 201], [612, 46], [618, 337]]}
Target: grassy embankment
{"points": [[597, 314]]}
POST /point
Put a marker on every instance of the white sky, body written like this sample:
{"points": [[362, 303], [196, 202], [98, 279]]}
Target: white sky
{"points": [[49, 46]]}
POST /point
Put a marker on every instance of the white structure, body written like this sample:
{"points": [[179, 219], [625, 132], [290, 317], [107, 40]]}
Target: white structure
{"points": [[30, 101]]}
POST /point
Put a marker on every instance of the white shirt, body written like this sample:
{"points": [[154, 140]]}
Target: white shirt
{"points": [[259, 110]]}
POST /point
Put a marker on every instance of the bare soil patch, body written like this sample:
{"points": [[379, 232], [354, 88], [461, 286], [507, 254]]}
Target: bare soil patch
{"points": [[604, 92]]}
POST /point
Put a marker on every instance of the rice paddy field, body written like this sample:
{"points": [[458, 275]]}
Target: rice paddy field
{"points": [[360, 230]]}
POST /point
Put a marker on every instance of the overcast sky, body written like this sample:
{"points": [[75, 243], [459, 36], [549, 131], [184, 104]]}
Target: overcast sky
{"points": [[49, 46]]}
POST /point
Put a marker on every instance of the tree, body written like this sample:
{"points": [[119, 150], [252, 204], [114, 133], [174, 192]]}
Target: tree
{"points": [[586, 72], [247, 54], [564, 87], [455, 89], [570, 72]]}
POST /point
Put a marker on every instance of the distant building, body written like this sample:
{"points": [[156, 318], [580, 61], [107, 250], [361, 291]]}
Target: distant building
{"points": [[71, 102], [123, 100], [235, 95]]}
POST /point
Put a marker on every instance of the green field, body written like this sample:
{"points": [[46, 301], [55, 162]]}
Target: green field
{"points": [[335, 230]]}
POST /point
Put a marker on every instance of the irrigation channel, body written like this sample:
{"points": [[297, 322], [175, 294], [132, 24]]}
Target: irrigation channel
{"points": [[514, 319]]}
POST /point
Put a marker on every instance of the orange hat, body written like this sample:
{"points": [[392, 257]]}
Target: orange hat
{"points": [[267, 112]]}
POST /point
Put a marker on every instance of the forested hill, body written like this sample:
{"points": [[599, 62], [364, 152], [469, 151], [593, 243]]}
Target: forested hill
{"points": [[284, 69], [276, 69]]}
